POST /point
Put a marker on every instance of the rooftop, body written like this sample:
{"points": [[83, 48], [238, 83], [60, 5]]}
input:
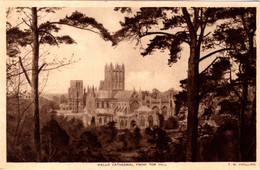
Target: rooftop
{"points": [[124, 95]]}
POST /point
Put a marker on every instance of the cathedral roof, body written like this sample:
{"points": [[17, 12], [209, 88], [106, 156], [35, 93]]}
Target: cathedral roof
{"points": [[124, 95], [103, 94]]}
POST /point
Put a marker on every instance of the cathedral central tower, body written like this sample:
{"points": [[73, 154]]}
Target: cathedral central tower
{"points": [[114, 78]]}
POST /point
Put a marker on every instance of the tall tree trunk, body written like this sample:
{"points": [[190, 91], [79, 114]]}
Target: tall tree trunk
{"points": [[18, 121], [35, 81], [252, 148], [242, 122], [18, 110], [192, 99], [243, 148], [192, 86], [247, 63]]}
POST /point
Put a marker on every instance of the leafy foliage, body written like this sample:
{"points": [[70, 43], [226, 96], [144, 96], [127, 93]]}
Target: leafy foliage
{"points": [[171, 123], [137, 137], [221, 146], [244, 51], [123, 9], [159, 146], [181, 101], [142, 24], [108, 132], [15, 38], [55, 141], [88, 148], [161, 120], [158, 138], [82, 21], [228, 106]]}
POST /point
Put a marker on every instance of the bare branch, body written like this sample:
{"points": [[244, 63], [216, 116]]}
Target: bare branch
{"points": [[212, 53], [49, 35], [210, 65], [24, 71], [237, 94], [41, 68], [44, 83], [26, 23], [218, 88], [26, 15], [244, 25], [206, 34], [59, 66]]}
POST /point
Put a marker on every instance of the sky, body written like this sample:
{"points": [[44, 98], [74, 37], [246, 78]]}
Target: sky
{"points": [[93, 53]]}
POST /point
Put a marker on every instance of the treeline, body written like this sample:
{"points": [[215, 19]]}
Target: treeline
{"points": [[66, 139]]}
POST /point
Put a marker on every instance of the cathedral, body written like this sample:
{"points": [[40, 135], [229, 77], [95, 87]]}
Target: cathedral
{"points": [[111, 102]]}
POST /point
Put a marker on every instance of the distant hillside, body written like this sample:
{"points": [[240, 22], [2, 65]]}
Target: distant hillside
{"points": [[54, 96]]}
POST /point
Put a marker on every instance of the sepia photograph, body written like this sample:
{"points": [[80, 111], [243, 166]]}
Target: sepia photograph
{"points": [[130, 84]]}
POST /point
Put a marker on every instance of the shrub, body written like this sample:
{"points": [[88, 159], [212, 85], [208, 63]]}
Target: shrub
{"points": [[171, 123]]}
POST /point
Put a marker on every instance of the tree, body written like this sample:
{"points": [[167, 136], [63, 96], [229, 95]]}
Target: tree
{"points": [[171, 123], [92, 121], [161, 120], [108, 132], [42, 34], [155, 93], [137, 137], [230, 82], [88, 148], [128, 139], [181, 101], [240, 36], [159, 148], [55, 141], [169, 29], [63, 99]]}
